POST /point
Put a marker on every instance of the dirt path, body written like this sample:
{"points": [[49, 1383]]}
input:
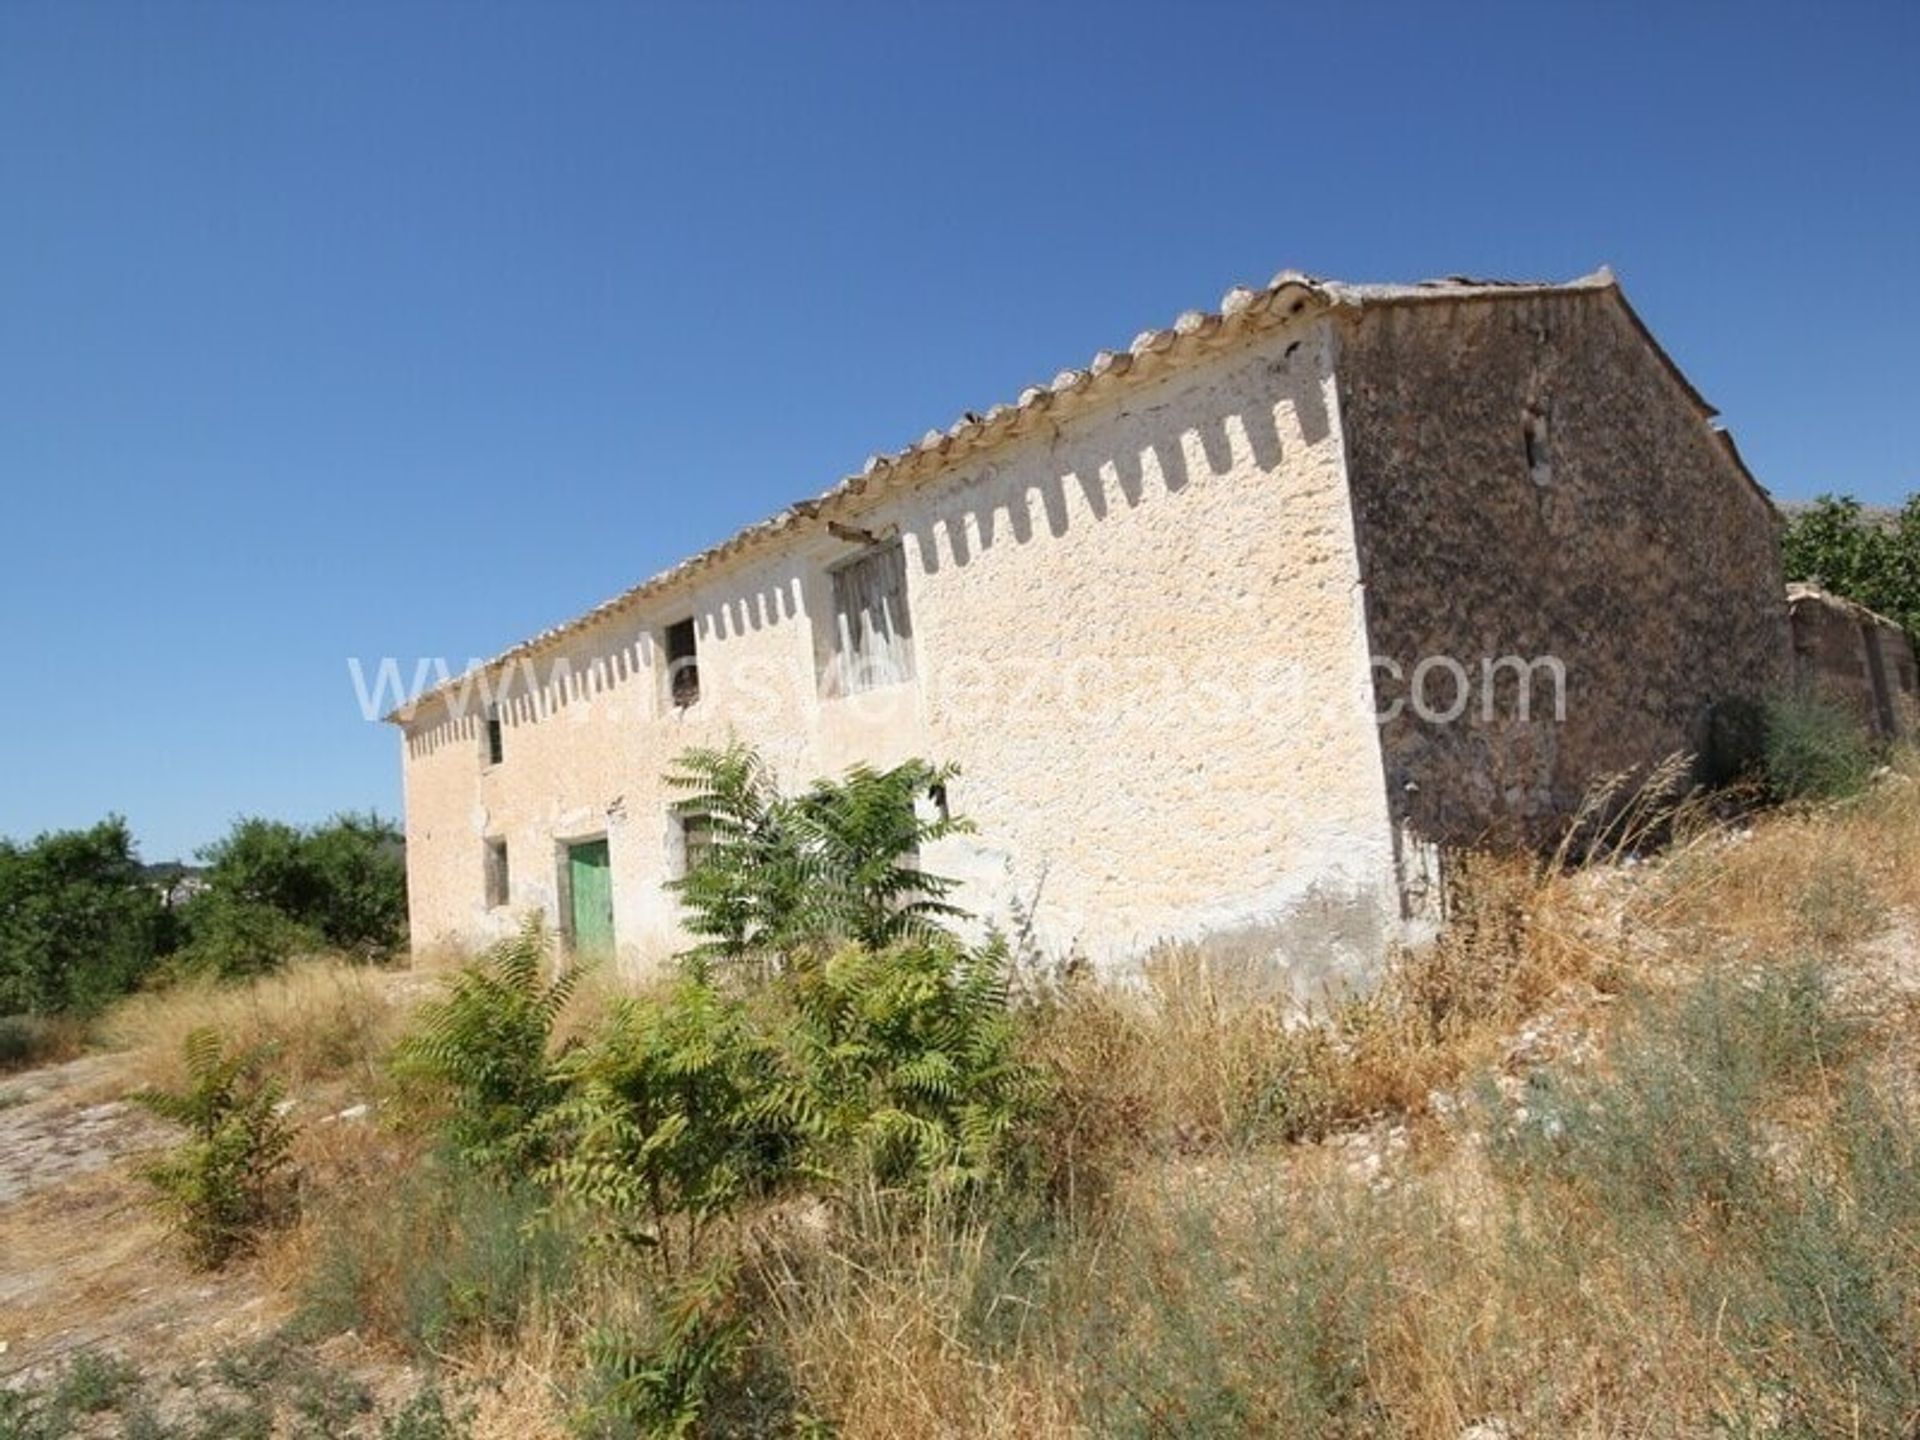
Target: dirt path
{"points": [[84, 1264]]}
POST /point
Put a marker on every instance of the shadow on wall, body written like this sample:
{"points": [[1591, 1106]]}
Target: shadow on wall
{"points": [[980, 510], [1326, 948]]}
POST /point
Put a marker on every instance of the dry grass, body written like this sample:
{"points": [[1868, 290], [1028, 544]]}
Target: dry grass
{"points": [[881, 1333], [1231, 1282], [1206, 1056], [1702, 1219], [321, 1020], [28, 1042]]}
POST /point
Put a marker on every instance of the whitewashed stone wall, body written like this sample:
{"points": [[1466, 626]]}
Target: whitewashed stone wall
{"points": [[1140, 634]]}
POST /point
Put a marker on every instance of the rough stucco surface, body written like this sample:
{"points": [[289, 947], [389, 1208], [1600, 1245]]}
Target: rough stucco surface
{"points": [[1646, 562], [1138, 634], [1831, 655]]}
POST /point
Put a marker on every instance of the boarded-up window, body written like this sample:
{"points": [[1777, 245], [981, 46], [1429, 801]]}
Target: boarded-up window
{"points": [[872, 628], [498, 878]]}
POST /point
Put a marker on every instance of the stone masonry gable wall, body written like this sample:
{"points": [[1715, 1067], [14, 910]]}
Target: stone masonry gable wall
{"points": [[1138, 633], [1622, 539]]}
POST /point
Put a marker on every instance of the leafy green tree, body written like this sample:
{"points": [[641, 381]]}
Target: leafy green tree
{"points": [[836, 863], [79, 925], [1836, 544], [274, 890]]}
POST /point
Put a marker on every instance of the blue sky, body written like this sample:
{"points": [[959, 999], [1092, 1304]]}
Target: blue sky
{"points": [[301, 305]]}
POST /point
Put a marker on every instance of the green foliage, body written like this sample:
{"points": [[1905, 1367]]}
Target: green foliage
{"points": [[481, 1048], [1814, 750], [79, 926], [224, 1181], [667, 1380], [274, 890], [836, 863], [748, 894], [1835, 544], [263, 1389], [910, 1062], [675, 1112], [424, 1417], [230, 937]]}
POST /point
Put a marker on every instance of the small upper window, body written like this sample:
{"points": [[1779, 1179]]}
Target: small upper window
{"points": [[872, 626], [683, 663], [496, 740], [1539, 455], [498, 877]]}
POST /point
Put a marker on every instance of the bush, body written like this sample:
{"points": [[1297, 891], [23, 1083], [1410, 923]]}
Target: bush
{"points": [[275, 890], [1834, 543], [669, 1377], [1815, 750], [911, 1063], [674, 1113], [837, 863], [89, 1384], [1674, 1132], [79, 925], [481, 1049], [225, 1182], [233, 938]]}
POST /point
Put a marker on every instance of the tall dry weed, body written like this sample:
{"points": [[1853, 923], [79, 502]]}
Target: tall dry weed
{"points": [[319, 1021]]}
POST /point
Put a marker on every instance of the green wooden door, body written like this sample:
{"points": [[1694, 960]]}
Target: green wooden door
{"points": [[590, 879]]}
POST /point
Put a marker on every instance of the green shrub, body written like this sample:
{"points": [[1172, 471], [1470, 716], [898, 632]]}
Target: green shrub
{"points": [[481, 1048], [675, 1112], [275, 890], [1815, 750], [1261, 1326], [79, 925], [90, 1384], [224, 1182], [837, 863], [910, 1063], [1675, 1131], [668, 1378], [424, 1417], [233, 938]]}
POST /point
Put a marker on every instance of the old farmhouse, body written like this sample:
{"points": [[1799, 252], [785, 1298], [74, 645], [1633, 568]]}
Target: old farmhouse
{"points": [[1226, 631]]}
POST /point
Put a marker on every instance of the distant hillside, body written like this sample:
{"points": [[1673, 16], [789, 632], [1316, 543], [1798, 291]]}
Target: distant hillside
{"points": [[1885, 516]]}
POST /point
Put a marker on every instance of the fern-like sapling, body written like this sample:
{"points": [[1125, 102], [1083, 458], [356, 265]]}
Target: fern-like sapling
{"points": [[226, 1180], [481, 1048]]}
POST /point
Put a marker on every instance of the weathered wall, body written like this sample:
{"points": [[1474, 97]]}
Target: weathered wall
{"points": [[1138, 634], [1626, 542], [1856, 657]]}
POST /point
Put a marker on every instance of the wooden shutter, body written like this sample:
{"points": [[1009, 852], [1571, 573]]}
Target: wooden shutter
{"points": [[873, 629]]}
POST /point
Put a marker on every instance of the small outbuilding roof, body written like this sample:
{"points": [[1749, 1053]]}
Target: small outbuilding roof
{"points": [[1288, 296], [1806, 592]]}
